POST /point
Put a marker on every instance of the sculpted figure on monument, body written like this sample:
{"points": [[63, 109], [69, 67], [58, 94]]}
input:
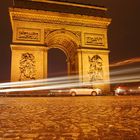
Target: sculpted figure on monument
{"points": [[96, 68], [27, 67]]}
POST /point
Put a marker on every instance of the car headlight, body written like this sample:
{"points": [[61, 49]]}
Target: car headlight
{"points": [[98, 90]]}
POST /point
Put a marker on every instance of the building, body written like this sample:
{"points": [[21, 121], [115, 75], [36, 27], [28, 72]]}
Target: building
{"points": [[79, 31]]}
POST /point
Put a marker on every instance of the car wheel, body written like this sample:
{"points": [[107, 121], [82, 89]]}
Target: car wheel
{"points": [[73, 94], [93, 93]]}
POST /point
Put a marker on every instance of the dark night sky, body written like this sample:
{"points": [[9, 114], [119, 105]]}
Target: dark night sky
{"points": [[123, 34]]}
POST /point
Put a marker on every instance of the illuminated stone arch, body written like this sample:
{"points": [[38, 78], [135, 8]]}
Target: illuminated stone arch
{"points": [[66, 41], [78, 36]]}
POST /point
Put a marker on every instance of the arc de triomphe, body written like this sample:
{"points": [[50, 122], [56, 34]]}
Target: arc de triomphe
{"points": [[82, 38]]}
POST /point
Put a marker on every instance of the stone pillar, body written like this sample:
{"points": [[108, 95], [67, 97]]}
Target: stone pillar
{"points": [[45, 62], [94, 67], [68, 66], [80, 65], [28, 62]]}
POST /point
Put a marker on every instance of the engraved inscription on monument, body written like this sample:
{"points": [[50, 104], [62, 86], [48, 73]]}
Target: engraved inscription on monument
{"points": [[94, 39], [27, 34]]}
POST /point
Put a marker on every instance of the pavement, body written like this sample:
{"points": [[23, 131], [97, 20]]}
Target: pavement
{"points": [[70, 118]]}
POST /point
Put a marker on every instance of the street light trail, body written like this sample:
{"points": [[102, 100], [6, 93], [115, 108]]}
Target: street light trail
{"points": [[126, 62], [125, 71], [61, 82], [68, 85], [67, 81], [73, 84], [47, 81]]}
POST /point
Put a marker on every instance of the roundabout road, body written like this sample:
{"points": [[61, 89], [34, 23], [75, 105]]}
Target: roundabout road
{"points": [[70, 118]]}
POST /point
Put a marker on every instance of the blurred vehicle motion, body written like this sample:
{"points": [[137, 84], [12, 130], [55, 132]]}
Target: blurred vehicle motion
{"points": [[77, 91], [127, 90], [57, 92]]}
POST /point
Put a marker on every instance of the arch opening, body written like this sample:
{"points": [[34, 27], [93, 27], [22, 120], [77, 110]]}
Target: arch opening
{"points": [[57, 63], [68, 43]]}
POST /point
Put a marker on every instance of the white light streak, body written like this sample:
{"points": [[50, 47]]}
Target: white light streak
{"points": [[70, 81], [126, 62]]}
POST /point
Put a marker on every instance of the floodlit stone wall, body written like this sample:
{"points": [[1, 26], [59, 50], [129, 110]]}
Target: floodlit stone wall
{"points": [[82, 38]]}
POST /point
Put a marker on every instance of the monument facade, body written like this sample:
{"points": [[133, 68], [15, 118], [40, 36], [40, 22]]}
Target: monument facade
{"points": [[82, 37]]}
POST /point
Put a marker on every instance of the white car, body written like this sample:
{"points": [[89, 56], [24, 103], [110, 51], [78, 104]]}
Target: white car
{"points": [[85, 91]]}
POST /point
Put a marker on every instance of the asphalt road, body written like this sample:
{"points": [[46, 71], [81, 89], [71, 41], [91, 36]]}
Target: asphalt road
{"points": [[70, 118]]}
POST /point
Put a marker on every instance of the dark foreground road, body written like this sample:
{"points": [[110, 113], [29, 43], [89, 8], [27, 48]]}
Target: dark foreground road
{"points": [[70, 118]]}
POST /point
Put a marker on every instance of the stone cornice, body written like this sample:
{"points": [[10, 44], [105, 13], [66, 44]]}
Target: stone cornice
{"points": [[94, 51], [28, 47], [58, 18]]}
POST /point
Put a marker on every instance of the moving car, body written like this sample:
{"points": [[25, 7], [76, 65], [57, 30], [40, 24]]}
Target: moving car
{"points": [[58, 92], [85, 91], [124, 90]]}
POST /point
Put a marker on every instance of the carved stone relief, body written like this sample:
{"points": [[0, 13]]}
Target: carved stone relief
{"points": [[94, 39], [52, 32], [95, 68], [27, 34], [27, 67]]}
